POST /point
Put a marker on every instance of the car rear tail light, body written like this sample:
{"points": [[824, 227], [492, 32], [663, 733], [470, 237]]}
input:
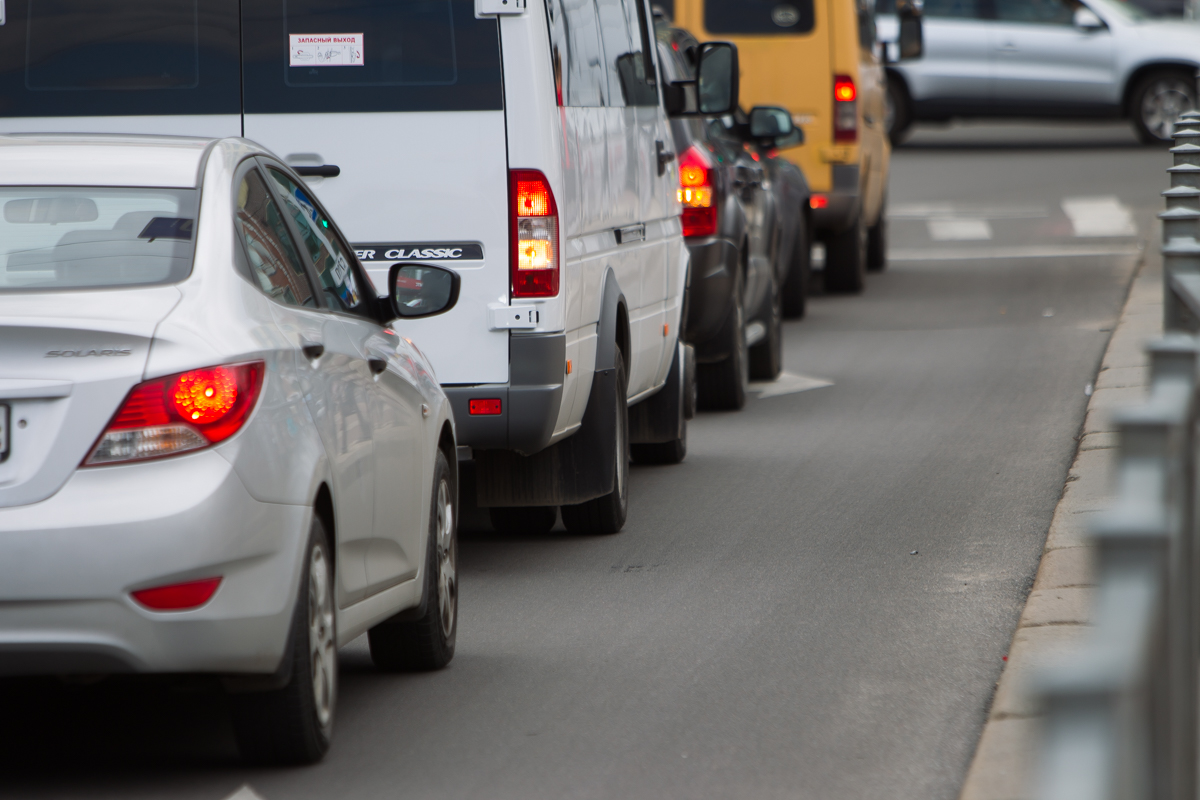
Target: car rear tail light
{"points": [[535, 258], [818, 201], [696, 193], [178, 596], [179, 413], [845, 109], [485, 407]]}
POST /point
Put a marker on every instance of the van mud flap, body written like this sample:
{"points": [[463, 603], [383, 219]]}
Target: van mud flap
{"points": [[575, 470]]}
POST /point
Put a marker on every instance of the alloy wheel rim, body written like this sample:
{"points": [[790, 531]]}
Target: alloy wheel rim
{"points": [[447, 559], [1163, 104], [322, 650]]}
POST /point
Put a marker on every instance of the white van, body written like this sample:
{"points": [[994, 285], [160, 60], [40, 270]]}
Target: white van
{"points": [[525, 145]]}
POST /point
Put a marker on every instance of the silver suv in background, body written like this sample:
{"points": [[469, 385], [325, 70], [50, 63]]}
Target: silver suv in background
{"points": [[1044, 58]]}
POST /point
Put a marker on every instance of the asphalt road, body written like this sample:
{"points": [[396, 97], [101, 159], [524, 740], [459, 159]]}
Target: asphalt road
{"points": [[814, 605]]}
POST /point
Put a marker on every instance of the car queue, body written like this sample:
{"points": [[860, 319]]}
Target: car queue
{"points": [[234, 433]]}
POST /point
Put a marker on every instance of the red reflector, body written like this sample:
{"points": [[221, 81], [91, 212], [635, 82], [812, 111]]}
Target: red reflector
{"points": [[491, 406], [818, 201], [178, 596]]}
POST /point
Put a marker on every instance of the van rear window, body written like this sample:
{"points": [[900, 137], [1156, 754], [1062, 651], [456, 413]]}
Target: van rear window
{"points": [[304, 56], [119, 57], [758, 16]]}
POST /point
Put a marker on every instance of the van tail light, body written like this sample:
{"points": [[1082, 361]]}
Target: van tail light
{"points": [[178, 596], [179, 413], [696, 193], [845, 109], [535, 257]]}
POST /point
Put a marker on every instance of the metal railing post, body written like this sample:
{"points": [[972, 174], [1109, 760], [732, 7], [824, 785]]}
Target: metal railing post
{"points": [[1181, 250]]}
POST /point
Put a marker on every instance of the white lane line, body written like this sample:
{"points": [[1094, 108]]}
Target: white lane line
{"points": [[1013, 251], [245, 793], [787, 383], [1099, 216], [958, 230], [967, 210]]}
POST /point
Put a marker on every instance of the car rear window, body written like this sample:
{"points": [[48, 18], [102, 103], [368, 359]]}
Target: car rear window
{"points": [[94, 238], [305, 56], [119, 57], [758, 16]]}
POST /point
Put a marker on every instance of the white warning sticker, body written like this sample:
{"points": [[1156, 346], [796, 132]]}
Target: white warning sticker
{"points": [[325, 49]]}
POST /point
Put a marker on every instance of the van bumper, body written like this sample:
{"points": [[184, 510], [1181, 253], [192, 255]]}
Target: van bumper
{"points": [[843, 201], [529, 402]]}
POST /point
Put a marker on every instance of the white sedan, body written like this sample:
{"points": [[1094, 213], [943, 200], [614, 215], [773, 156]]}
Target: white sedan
{"points": [[215, 457]]}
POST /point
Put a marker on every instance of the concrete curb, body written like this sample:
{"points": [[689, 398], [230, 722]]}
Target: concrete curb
{"points": [[1057, 612]]}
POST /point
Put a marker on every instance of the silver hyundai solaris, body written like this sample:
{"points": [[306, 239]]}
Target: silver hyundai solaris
{"points": [[215, 457]]}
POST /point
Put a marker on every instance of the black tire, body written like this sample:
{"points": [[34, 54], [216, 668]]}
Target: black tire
{"points": [[766, 357], [524, 519], [607, 514], [294, 724], [795, 288], [898, 116], [877, 241], [1157, 101], [721, 385], [427, 642], [846, 259]]}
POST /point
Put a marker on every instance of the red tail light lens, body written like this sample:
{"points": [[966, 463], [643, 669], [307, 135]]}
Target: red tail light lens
{"points": [[696, 193], [818, 201], [488, 407], [180, 413], [845, 109], [535, 258], [178, 596]]}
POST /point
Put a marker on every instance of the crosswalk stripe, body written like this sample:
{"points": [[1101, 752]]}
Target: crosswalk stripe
{"points": [[1099, 216], [1012, 251], [958, 230]]}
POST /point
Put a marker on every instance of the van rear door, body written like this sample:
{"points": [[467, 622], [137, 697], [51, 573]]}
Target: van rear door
{"points": [[406, 101], [121, 66]]}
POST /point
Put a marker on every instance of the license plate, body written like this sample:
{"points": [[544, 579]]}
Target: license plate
{"points": [[4, 431]]}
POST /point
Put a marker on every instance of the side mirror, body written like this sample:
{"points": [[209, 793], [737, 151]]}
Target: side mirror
{"points": [[912, 37], [1087, 21], [772, 126], [421, 290], [714, 93]]}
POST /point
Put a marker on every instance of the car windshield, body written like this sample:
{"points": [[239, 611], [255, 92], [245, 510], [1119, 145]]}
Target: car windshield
{"points": [[1122, 8], [94, 237]]}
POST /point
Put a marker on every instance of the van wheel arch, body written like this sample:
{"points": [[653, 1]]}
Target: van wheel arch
{"points": [[612, 331]]}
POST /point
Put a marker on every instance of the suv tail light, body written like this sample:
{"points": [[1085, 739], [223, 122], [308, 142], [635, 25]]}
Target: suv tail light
{"points": [[179, 413], [535, 258], [696, 193], [845, 109]]}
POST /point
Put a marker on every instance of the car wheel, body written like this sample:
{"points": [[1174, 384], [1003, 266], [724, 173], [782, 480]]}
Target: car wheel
{"points": [[897, 112], [877, 241], [766, 357], [523, 519], [294, 724], [1158, 101], [845, 259], [672, 452], [721, 385], [795, 288], [427, 642], [607, 514]]}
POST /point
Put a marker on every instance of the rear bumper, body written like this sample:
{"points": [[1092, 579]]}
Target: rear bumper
{"points": [[843, 201], [68, 564], [710, 288], [529, 402]]}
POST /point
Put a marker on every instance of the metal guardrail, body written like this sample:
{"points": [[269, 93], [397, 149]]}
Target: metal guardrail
{"points": [[1121, 713]]}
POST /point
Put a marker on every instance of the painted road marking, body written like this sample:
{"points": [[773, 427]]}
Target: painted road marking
{"points": [[967, 210], [958, 230], [245, 793], [1013, 251], [1099, 216], [787, 383]]}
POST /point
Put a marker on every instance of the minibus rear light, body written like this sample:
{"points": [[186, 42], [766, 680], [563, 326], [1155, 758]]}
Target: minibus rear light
{"points": [[535, 256], [845, 109]]}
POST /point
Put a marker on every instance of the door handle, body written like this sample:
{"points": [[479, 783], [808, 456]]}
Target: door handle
{"points": [[322, 171], [1008, 47], [377, 365], [312, 350], [665, 157]]}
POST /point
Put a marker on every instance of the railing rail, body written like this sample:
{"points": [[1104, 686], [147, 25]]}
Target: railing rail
{"points": [[1121, 713]]}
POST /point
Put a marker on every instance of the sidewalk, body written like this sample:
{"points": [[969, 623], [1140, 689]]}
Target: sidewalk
{"points": [[1056, 614]]}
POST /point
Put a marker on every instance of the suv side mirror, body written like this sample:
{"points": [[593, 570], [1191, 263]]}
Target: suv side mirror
{"points": [[1086, 20], [772, 126], [421, 290], [912, 37], [714, 92]]}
